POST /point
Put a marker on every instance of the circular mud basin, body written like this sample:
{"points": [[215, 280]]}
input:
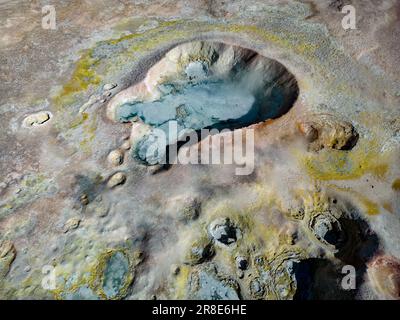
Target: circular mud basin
{"points": [[203, 85]]}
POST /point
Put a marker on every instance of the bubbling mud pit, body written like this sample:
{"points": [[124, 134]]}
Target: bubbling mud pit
{"points": [[204, 85]]}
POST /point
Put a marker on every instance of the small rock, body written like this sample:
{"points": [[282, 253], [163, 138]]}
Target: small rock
{"points": [[7, 256], [116, 180], [71, 224], [224, 231], [115, 157], [109, 86], [325, 131], [84, 199], [384, 274], [27, 268], [36, 119], [6, 247]]}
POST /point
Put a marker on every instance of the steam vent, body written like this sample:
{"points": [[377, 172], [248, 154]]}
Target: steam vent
{"points": [[200, 150]]}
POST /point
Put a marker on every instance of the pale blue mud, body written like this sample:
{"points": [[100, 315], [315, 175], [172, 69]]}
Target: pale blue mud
{"points": [[211, 288], [200, 100], [115, 274], [212, 104]]}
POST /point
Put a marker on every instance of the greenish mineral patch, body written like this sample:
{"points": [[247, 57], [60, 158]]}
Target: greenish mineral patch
{"points": [[115, 275], [82, 293], [32, 187]]}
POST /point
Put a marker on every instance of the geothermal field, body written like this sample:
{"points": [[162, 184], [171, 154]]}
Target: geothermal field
{"points": [[200, 150]]}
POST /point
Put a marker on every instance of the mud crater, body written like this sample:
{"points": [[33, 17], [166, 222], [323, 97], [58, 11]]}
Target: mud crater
{"points": [[204, 85]]}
